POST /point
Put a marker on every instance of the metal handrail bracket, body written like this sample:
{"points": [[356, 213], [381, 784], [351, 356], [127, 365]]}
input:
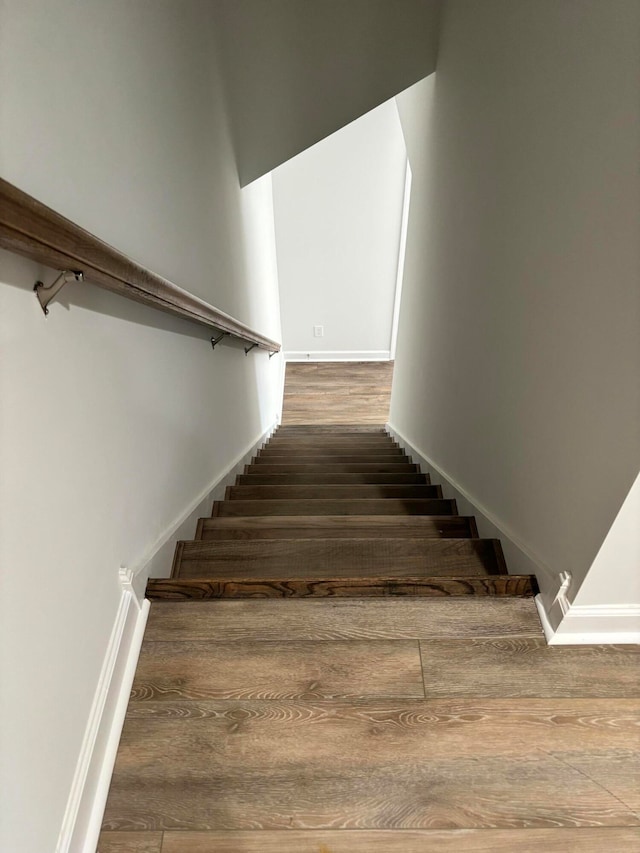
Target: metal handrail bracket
{"points": [[216, 341], [47, 294], [30, 228]]}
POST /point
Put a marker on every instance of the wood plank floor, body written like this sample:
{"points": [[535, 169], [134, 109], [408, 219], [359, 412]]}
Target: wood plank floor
{"points": [[356, 725], [337, 393], [455, 841], [309, 717]]}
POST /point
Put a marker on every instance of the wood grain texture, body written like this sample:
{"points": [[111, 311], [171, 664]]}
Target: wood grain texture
{"points": [[368, 506], [343, 619], [585, 840], [316, 559], [272, 458], [259, 723], [357, 440], [334, 468], [330, 478], [617, 770], [366, 765], [528, 667], [313, 445], [336, 526], [337, 393], [333, 492], [338, 450], [197, 589], [329, 429], [350, 407], [414, 728], [277, 670], [345, 370], [130, 842], [30, 228], [331, 439]]}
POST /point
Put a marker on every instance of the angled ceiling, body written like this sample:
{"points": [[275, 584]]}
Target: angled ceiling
{"points": [[297, 70]]}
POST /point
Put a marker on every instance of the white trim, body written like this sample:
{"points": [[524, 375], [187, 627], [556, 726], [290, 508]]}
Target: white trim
{"points": [[338, 355], [544, 620], [557, 608], [90, 786], [592, 624], [518, 555], [158, 561], [562, 621], [402, 252], [92, 777]]}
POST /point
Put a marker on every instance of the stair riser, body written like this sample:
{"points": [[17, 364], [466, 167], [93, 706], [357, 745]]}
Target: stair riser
{"points": [[334, 436], [327, 492], [384, 506], [329, 429], [347, 468], [330, 458], [198, 590], [335, 527], [321, 479], [412, 542], [341, 441], [323, 452], [337, 449], [339, 558], [242, 534]]}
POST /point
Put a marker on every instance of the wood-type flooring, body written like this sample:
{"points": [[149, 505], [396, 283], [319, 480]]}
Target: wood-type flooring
{"points": [[337, 392], [323, 532], [383, 724], [339, 664]]}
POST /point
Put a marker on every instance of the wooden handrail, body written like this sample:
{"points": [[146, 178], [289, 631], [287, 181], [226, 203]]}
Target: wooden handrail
{"points": [[30, 228]]}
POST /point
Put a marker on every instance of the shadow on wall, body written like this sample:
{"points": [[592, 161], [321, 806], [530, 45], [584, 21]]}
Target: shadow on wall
{"points": [[117, 382], [89, 297]]}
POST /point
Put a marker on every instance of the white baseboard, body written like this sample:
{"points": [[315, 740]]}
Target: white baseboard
{"points": [[88, 796], [562, 622], [158, 561], [338, 355], [85, 806], [595, 624], [520, 558]]}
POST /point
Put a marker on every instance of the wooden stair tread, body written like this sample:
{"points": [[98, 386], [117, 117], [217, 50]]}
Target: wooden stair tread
{"points": [[336, 479], [328, 429], [333, 437], [365, 506], [336, 450], [319, 459], [346, 557], [374, 441], [336, 526], [333, 467], [336, 510], [346, 619], [197, 589], [332, 491]]}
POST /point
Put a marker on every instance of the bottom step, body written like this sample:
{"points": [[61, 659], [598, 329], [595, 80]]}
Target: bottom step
{"points": [[171, 589]]}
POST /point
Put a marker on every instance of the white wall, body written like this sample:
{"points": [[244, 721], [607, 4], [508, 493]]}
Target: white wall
{"points": [[519, 345], [338, 211], [615, 573], [308, 68], [116, 419]]}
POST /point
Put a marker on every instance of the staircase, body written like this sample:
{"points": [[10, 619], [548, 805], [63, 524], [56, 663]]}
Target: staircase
{"points": [[366, 676], [402, 699], [336, 511]]}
